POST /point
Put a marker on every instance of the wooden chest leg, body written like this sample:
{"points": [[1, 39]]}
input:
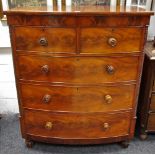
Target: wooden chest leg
{"points": [[29, 143], [124, 144]]}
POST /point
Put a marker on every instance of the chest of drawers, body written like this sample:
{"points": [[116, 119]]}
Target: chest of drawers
{"points": [[78, 72], [146, 108]]}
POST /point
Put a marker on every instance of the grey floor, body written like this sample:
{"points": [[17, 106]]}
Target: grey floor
{"points": [[11, 142]]}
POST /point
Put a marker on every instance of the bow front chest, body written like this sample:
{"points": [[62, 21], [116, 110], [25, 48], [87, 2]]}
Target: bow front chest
{"points": [[78, 72]]}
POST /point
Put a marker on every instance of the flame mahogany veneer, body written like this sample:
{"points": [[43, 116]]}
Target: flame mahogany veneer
{"points": [[78, 73]]}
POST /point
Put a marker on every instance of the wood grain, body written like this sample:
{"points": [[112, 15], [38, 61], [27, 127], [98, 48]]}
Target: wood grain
{"points": [[78, 69], [95, 40], [78, 98], [60, 40], [80, 21], [68, 125]]}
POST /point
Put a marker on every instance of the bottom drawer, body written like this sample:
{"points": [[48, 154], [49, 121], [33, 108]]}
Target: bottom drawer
{"points": [[151, 122], [76, 126]]}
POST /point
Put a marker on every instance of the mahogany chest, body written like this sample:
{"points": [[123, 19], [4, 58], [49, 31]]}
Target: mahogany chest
{"points": [[146, 107], [78, 72]]}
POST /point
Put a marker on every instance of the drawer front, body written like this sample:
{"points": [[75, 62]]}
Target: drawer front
{"points": [[69, 125], [152, 105], [151, 122], [78, 99], [110, 40], [153, 88], [78, 69], [37, 39]]}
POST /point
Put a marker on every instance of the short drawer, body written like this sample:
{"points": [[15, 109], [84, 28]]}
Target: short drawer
{"points": [[78, 99], [41, 39], [78, 69], [110, 40], [151, 122], [69, 125]]}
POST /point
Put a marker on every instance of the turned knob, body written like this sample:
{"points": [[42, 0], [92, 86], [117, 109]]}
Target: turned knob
{"points": [[47, 98], [43, 41], [48, 125], [112, 42], [108, 99], [45, 69], [106, 126], [110, 69]]}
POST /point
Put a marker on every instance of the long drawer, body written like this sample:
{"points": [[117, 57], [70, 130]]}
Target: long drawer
{"points": [[69, 125], [78, 99], [41, 39], [78, 69]]}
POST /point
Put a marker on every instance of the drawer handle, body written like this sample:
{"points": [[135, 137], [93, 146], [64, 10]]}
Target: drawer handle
{"points": [[108, 99], [47, 99], [112, 42], [110, 69], [43, 42], [49, 125], [106, 126], [45, 69]]}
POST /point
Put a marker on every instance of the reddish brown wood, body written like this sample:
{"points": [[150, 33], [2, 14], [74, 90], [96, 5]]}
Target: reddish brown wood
{"points": [[78, 69], [56, 40], [82, 21], [77, 98], [73, 88], [96, 40], [78, 126]]}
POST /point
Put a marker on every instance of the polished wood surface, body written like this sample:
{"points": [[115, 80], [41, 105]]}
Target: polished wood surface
{"points": [[78, 69], [77, 126], [80, 21], [78, 72], [97, 40], [77, 98], [56, 40]]}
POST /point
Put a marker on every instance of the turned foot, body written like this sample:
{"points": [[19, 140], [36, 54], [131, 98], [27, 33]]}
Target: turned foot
{"points": [[29, 143], [143, 136], [124, 144]]}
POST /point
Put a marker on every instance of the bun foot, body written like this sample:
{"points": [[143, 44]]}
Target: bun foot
{"points": [[124, 144], [29, 143], [143, 136]]}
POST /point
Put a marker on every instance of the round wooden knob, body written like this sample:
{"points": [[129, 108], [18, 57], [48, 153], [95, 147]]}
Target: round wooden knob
{"points": [[110, 69], [45, 69], [48, 125], [106, 126], [46, 98], [112, 42], [43, 42], [108, 99]]}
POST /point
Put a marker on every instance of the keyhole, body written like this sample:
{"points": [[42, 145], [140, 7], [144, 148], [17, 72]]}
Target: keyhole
{"points": [[112, 30], [77, 59], [77, 89]]}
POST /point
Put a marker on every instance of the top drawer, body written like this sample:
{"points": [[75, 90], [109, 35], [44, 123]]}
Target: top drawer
{"points": [[90, 40], [40, 39], [110, 40]]}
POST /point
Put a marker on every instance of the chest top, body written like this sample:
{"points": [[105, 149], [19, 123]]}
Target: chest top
{"points": [[72, 7]]}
